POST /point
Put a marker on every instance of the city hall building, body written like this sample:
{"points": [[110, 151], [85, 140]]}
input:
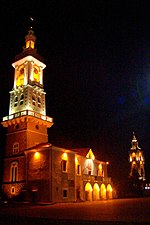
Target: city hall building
{"points": [[33, 168]]}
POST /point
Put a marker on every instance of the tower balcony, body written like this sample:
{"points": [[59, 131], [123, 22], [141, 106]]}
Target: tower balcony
{"points": [[93, 178], [16, 117]]}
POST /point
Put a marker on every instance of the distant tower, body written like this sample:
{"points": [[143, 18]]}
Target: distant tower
{"points": [[27, 122], [136, 159]]}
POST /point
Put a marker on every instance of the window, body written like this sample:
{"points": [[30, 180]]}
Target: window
{"points": [[33, 100], [39, 102], [15, 147], [14, 171], [89, 166], [78, 169], [37, 127], [64, 165], [100, 170], [89, 172], [17, 126], [21, 99], [16, 101], [12, 190], [65, 193]]}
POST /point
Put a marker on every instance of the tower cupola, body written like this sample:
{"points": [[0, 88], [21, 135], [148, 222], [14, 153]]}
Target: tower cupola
{"points": [[30, 40]]}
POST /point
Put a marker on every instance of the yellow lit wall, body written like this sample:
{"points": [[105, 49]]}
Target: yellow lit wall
{"points": [[64, 156], [36, 155]]}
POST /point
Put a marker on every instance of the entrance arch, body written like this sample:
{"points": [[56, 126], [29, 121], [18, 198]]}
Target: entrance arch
{"points": [[96, 192], [109, 191], [103, 191], [88, 192]]}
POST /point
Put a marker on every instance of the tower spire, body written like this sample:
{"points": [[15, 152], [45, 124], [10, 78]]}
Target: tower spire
{"points": [[137, 161], [134, 138], [134, 143], [30, 39]]}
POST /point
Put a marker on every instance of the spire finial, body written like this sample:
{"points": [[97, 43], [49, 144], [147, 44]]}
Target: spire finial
{"points": [[30, 38], [31, 22], [134, 135]]}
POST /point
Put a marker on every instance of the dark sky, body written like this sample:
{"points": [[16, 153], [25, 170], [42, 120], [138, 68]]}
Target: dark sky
{"points": [[97, 77]]}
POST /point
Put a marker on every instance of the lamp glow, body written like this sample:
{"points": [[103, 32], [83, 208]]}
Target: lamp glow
{"points": [[36, 155]]}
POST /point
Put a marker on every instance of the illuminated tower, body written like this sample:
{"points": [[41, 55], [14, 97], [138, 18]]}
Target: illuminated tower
{"points": [[136, 159], [27, 122]]}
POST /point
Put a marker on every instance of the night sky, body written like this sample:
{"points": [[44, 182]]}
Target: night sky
{"points": [[97, 75]]}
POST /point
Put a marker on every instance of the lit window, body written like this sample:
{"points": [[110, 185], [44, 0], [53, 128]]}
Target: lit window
{"points": [[16, 147], [89, 166], [64, 165], [78, 169], [14, 172], [30, 44], [65, 193], [100, 170], [36, 74]]}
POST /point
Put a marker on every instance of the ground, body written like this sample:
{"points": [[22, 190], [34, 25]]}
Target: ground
{"points": [[117, 211]]}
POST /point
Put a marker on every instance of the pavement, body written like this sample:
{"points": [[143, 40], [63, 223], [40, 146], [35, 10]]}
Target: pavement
{"points": [[116, 211]]}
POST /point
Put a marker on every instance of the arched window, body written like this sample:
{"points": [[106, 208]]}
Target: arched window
{"points": [[16, 101], [14, 171], [15, 147], [39, 102], [21, 99], [13, 190], [33, 100]]}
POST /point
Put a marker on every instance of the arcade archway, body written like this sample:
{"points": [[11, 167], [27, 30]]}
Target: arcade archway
{"points": [[109, 191], [103, 191], [96, 192], [88, 192]]}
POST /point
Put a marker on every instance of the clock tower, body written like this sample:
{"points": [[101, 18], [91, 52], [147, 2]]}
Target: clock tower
{"points": [[27, 122], [137, 161]]}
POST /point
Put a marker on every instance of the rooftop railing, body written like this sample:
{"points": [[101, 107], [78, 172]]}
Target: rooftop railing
{"points": [[28, 113], [93, 178]]}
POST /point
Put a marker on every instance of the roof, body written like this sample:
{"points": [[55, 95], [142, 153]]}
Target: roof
{"points": [[27, 52], [39, 147], [29, 49], [81, 151]]}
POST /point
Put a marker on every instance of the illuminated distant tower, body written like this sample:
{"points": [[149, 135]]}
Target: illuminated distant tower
{"points": [[137, 161], [27, 122]]}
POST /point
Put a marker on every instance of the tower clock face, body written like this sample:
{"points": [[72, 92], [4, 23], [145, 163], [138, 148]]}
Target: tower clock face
{"points": [[36, 73], [20, 76]]}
